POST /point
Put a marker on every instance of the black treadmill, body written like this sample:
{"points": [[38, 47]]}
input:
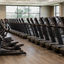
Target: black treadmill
{"points": [[60, 45]]}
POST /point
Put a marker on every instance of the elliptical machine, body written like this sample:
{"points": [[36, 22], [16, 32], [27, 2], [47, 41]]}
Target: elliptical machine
{"points": [[7, 47]]}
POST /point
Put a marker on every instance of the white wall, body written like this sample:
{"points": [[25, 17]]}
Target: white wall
{"points": [[45, 11], [2, 12]]}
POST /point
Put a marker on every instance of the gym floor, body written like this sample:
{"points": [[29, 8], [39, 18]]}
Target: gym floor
{"points": [[35, 55]]}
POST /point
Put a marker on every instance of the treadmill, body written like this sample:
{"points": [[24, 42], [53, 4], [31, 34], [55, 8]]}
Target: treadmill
{"points": [[60, 45]]}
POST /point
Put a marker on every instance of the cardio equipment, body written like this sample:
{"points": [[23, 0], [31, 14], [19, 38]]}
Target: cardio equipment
{"points": [[7, 45]]}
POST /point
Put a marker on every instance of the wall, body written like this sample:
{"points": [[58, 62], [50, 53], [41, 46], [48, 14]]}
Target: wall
{"points": [[2, 12], [46, 11], [61, 9], [51, 11]]}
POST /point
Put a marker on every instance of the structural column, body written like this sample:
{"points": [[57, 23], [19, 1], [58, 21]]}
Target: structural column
{"points": [[61, 9], [2, 11]]}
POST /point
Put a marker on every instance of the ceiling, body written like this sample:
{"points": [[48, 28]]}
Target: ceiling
{"points": [[30, 2]]}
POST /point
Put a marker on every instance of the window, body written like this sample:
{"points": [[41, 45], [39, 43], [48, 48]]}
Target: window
{"points": [[22, 12], [33, 9], [56, 11], [11, 12], [34, 12]]}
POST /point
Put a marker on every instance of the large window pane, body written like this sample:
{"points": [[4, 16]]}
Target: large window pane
{"points": [[22, 9], [33, 15], [57, 14], [56, 10], [33, 9], [11, 8], [11, 15], [22, 12], [22, 15]]}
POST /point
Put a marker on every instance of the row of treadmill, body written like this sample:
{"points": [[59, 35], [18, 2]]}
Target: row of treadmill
{"points": [[7, 45], [46, 32]]}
